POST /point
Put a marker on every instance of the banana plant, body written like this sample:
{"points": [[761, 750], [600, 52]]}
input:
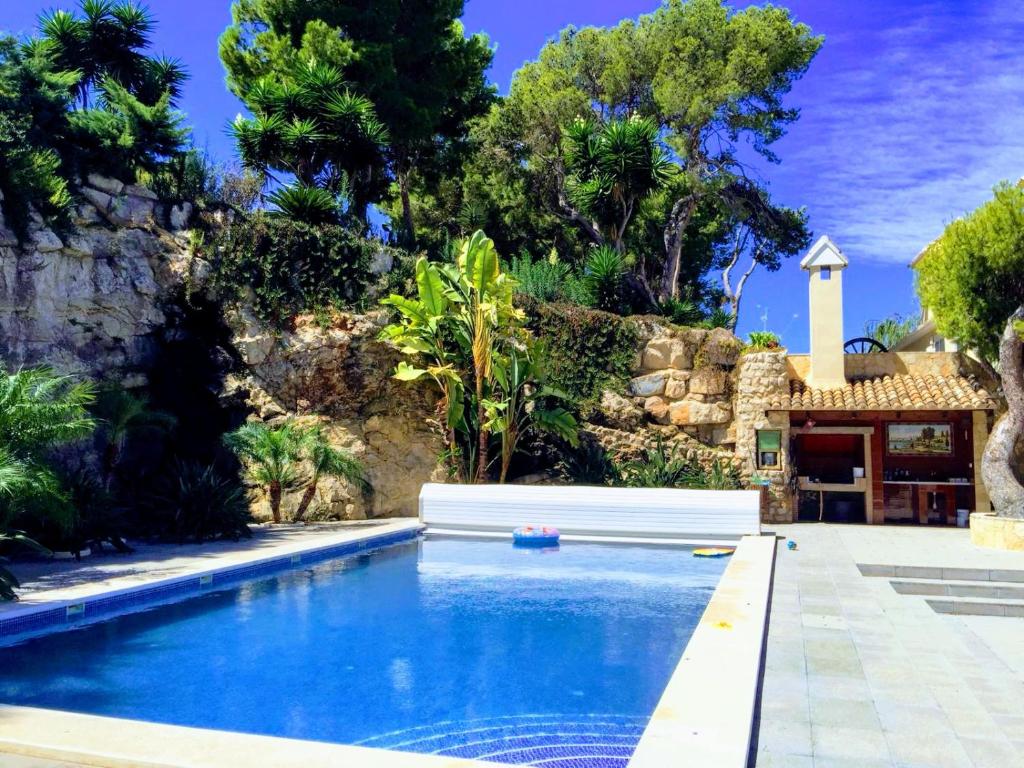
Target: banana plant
{"points": [[462, 316], [522, 403]]}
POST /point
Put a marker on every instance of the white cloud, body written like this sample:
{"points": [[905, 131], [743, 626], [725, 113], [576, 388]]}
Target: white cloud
{"points": [[905, 128]]}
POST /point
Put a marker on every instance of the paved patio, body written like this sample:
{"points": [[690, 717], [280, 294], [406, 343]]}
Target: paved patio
{"points": [[860, 676]]}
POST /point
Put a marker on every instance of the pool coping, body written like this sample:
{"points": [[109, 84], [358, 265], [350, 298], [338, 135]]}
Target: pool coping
{"points": [[722, 658], [706, 713]]}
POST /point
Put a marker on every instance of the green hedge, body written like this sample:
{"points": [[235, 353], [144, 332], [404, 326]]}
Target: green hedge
{"points": [[587, 350], [291, 267]]}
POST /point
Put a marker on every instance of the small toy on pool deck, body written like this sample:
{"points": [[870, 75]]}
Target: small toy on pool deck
{"points": [[535, 536], [790, 544], [713, 552]]}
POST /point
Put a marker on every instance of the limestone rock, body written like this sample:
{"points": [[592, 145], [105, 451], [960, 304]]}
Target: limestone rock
{"points": [[136, 190], [131, 211], [46, 241], [657, 409], [688, 413], [649, 384], [620, 412], [709, 381], [105, 184], [664, 353], [179, 216], [101, 201], [721, 348], [676, 386]]}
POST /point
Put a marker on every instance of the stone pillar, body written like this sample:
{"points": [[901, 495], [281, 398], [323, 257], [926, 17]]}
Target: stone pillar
{"points": [[762, 377]]}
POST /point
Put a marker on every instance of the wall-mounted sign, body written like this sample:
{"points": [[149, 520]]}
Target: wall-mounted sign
{"points": [[919, 439]]}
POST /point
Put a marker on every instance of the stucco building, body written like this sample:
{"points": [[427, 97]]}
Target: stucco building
{"points": [[878, 437]]}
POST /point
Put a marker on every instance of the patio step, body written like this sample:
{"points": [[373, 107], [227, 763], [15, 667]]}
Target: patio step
{"points": [[941, 574], [977, 606], [996, 590]]}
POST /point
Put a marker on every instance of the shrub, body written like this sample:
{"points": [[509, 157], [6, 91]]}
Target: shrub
{"points": [[662, 467], [194, 502], [762, 340], [549, 280], [586, 350], [291, 267]]}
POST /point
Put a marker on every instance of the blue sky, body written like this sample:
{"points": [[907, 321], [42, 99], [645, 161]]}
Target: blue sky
{"points": [[910, 114]]}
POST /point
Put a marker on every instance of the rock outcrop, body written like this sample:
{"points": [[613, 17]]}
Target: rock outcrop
{"points": [[90, 300], [340, 377]]}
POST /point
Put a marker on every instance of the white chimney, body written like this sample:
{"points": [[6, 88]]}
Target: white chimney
{"points": [[825, 264]]}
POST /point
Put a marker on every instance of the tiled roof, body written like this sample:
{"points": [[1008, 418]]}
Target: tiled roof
{"points": [[901, 392]]}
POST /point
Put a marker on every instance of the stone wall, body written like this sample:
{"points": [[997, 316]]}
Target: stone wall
{"points": [[681, 394]]}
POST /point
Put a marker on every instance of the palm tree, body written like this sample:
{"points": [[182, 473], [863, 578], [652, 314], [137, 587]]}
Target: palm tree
{"points": [[122, 415], [38, 412], [327, 461], [269, 456]]}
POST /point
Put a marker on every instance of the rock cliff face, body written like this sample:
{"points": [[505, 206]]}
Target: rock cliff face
{"points": [[340, 377], [90, 301], [96, 301]]}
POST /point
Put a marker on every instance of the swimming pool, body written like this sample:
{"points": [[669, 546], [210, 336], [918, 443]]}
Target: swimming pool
{"points": [[467, 648]]}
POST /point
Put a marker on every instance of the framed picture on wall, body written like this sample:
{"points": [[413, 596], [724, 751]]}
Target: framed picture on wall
{"points": [[919, 439]]}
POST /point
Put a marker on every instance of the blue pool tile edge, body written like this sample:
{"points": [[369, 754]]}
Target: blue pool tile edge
{"points": [[68, 613]]}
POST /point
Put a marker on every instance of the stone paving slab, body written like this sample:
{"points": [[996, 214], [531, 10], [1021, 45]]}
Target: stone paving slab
{"points": [[859, 675]]}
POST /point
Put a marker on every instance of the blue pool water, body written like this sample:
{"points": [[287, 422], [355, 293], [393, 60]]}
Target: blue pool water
{"points": [[467, 648]]}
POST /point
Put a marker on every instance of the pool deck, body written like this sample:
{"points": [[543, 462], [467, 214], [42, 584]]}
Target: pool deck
{"points": [[859, 675], [47, 581]]}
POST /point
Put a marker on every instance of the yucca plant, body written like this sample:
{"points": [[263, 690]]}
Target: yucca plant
{"points": [[269, 456], [603, 274], [718, 318], [310, 205]]}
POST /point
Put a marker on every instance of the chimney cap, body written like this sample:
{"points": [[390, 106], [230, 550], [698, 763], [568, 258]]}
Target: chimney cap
{"points": [[824, 253]]}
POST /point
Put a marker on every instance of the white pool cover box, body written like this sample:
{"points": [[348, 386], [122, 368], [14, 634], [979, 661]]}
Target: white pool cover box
{"points": [[592, 512]]}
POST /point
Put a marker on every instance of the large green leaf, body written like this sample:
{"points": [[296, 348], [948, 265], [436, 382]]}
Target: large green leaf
{"points": [[430, 287], [405, 372], [414, 310], [479, 260]]}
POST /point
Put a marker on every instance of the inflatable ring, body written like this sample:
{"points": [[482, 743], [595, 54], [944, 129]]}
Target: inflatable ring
{"points": [[712, 552], [535, 536]]}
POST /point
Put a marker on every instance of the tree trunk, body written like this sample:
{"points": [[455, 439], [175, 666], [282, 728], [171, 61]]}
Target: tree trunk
{"points": [[675, 230], [305, 501], [407, 220], [481, 415], [1004, 489], [275, 501]]}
